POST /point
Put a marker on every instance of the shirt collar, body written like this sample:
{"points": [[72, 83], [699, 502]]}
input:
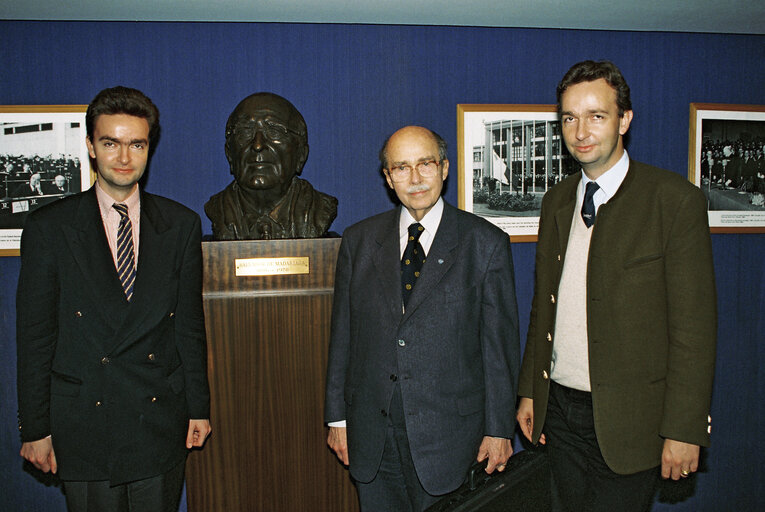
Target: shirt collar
{"points": [[430, 221], [610, 181], [105, 202]]}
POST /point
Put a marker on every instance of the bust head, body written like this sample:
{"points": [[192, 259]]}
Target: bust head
{"points": [[266, 143]]}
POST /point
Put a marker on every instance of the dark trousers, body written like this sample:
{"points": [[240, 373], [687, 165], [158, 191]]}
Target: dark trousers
{"points": [[395, 487], [161, 493], [581, 477]]}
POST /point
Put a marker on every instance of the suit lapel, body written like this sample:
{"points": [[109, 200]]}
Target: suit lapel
{"points": [[439, 261], [564, 215], [90, 249], [155, 261], [387, 261]]}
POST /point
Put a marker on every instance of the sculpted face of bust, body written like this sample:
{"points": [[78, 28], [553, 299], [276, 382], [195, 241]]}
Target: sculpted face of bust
{"points": [[266, 143]]}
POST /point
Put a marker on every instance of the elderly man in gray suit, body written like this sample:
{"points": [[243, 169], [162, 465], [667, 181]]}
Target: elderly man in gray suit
{"points": [[424, 351]]}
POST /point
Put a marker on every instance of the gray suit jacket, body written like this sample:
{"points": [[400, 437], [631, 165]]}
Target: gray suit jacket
{"points": [[454, 353], [115, 383]]}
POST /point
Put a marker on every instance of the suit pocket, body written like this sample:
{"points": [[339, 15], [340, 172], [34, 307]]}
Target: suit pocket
{"points": [[454, 294], [177, 380], [470, 404], [64, 385], [642, 260]]}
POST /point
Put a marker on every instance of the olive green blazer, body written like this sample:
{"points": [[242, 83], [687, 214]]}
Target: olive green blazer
{"points": [[651, 314]]}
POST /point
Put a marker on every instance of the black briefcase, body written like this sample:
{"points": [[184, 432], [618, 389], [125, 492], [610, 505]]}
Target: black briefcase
{"points": [[523, 486]]}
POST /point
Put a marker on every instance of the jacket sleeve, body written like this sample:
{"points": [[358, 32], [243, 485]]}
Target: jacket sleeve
{"points": [[340, 342], [500, 341], [692, 323], [36, 330], [190, 335]]}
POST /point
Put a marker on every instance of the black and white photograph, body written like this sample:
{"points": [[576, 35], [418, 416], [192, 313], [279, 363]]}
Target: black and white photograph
{"points": [[43, 158], [727, 161], [509, 157]]}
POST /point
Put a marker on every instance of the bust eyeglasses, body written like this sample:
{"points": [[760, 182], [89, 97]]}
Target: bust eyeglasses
{"points": [[402, 172]]}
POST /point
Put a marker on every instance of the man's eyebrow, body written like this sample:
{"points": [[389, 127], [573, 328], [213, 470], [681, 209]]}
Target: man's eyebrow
{"points": [[591, 111], [118, 141], [419, 160]]}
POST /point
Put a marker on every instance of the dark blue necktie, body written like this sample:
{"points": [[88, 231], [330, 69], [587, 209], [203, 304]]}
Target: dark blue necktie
{"points": [[588, 207], [411, 263]]}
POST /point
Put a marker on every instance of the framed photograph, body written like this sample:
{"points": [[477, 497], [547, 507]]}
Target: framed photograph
{"points": [[509, 157], [726, 159], [43, 158]]}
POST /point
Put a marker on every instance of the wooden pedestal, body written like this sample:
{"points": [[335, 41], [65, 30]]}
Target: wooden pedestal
{"points": [[267, 339]]}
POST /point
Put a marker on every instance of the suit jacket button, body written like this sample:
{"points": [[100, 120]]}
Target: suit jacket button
{"points": [[105, 360], [98, 404], [382, 411], [559, 257], [78, 314], [151, 357], [172, 314], [549, 337], [153, 399], [552, 299], [544, 375], [394, 377], [401, 343]]}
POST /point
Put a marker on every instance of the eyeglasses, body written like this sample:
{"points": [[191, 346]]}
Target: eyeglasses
{"points": [[244, 133], [402, 172]]}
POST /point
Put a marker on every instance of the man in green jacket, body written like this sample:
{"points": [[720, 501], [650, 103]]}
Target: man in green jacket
{"points": [[618, 367]]}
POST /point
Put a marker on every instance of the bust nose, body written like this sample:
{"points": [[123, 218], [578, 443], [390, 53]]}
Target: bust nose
{"points": [[258, 141]]}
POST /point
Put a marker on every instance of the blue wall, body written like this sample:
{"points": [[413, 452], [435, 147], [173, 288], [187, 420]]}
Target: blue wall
{"points": [[355, 84]]}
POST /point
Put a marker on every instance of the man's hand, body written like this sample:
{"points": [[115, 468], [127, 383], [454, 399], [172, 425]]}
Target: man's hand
{"points": [[679, 459], [338, 441], [498, 450], [525, 419], [40, 454], [198, 432]]}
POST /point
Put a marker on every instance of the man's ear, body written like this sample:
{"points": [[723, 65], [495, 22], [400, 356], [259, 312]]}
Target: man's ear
{"points": [[91, 150], [302, 158], [624, 122], [387, 178], [228, 157]]}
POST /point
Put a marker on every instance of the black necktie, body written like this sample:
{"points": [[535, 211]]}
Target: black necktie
{"points": [[125, 254], [411, 263], [588, 208]]}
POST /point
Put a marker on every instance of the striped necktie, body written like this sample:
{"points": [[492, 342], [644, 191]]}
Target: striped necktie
{"points": [[125, 254]]}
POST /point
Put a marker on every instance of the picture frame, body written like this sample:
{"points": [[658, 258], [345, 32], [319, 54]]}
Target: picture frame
{"points": [[528, 156], [43, 158], [726, 160]]}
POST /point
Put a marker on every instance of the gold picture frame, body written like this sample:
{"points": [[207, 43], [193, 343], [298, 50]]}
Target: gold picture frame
{"points": [[505, 185], [47, 141], [726, 160]]}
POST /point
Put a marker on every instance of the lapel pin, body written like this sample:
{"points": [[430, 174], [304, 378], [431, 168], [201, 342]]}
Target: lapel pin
{"points": [[440, 261]]}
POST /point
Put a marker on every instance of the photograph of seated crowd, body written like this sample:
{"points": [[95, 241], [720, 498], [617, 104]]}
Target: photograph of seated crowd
{"points": [[29, 181], [733, 167]]}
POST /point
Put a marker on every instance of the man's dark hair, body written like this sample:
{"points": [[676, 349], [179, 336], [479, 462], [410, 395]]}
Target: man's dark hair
{"points": [[589, 71], [383, 155], [123, 100]]}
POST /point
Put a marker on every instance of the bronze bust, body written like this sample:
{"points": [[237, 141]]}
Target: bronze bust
{"points": [[267, 147]]}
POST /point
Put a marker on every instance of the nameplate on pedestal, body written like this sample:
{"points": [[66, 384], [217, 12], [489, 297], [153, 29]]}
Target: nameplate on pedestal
{"points": [[271, 266]]}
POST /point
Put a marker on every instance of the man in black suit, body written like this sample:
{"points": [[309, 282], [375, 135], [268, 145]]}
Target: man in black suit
{"points": [[423, 362], [112, 376], [32, 188], [56, 187]]}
